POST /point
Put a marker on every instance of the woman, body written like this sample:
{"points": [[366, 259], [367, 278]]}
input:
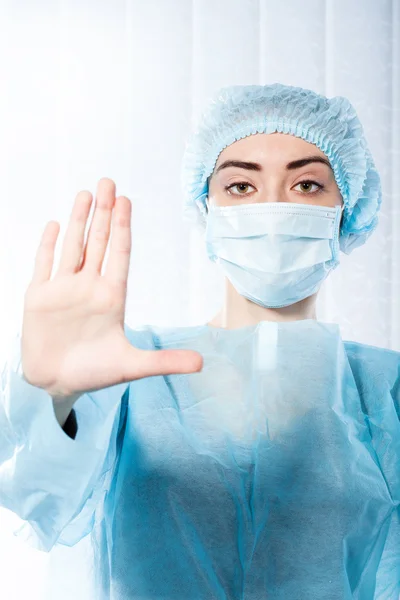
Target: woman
{"points": [[255, 456]]}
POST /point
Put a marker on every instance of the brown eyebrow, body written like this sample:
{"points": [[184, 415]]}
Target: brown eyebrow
{"points": [[252, 166]]}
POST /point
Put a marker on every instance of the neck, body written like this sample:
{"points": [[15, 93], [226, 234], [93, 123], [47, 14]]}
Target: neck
{"points": [[238, 311]]}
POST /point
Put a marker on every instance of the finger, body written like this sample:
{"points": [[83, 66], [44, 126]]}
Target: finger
{"points": [[121, 241], [45, 253], [99, 231], [163, 362], [72, 249]]}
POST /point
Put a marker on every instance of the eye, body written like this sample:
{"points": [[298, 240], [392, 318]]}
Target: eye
{"points": [[307, 182], [239, 184], [243, 186]]}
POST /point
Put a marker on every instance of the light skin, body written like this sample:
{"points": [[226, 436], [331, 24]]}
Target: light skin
{"points": [[73, 336], [73, 331], [271, 182]]}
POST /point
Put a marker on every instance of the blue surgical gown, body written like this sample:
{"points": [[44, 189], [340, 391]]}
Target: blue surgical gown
{"points": [[274, 473]]}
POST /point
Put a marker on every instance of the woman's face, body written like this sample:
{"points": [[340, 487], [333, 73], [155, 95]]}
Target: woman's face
{"points": [[267, 175]]}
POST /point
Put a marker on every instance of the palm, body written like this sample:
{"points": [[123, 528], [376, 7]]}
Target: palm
{"points": [[73, 336]]}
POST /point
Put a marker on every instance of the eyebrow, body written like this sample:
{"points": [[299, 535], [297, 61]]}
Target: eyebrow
{"points": [[295, 164]]}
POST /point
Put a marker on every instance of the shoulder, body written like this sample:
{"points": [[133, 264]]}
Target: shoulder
{"points": [[373, 361], [140, 336], [156, 337], [376, 354]]}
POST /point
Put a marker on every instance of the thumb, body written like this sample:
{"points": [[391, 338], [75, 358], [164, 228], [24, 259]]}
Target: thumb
{"points": [[147, 363]]}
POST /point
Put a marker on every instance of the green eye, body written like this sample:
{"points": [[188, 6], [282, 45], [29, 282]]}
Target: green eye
{"points": [[244, 184], [307, 182], [240, 184]]}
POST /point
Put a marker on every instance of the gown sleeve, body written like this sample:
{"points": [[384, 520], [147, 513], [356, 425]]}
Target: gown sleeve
{"points": [[49, 478], [395, 391]]}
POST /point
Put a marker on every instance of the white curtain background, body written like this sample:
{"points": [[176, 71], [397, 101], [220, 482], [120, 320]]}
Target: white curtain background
{"points": [[96, 88]]}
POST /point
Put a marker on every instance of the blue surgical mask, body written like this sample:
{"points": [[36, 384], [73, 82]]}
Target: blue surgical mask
{"points": [[274, 253]]}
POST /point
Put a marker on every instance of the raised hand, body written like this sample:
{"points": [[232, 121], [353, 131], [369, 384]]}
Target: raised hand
{"points": [[73, 338]]}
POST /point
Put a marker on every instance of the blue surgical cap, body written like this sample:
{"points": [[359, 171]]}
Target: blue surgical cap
{"points": [[331, 124]]}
